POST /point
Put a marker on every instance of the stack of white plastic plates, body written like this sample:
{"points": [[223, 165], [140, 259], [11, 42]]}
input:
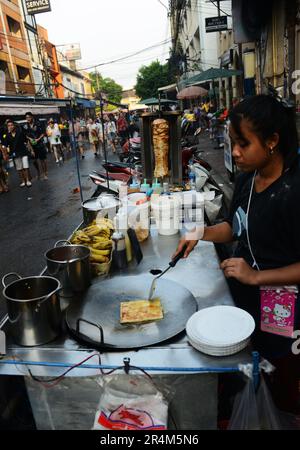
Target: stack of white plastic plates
{"points": [[220, 330]]}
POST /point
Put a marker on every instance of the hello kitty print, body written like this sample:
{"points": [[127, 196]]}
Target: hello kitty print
{"points": [[278, 309]]}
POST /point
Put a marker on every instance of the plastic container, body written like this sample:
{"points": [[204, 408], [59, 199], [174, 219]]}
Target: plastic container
{"points": [[123, 190], [134, 187], [167, 214], [119, 257], [145, 186], [138, 208], [122, 225], [157, 187], [166, 188]]}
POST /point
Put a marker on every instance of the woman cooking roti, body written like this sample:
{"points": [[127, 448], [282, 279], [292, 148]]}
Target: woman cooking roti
{"points": [[264, 219]]}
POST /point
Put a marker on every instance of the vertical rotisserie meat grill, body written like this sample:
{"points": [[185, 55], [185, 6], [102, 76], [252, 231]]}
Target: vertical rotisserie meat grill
{"points": [[160, 128]]}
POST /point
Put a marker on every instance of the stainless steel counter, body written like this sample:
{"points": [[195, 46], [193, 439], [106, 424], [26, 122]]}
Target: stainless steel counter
{"points": [[200, 273], [193, 376]]}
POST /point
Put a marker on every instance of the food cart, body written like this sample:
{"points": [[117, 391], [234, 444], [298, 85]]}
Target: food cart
{"points": [[91, 339], [71, 404]]}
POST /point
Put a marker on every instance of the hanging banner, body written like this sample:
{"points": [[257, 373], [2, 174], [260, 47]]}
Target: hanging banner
{"points": [[37, 6]]}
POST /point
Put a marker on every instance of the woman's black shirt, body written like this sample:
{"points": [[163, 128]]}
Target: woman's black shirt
{"points": [[274, 233]]}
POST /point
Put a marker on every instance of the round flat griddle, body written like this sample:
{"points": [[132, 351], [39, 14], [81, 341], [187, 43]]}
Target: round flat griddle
{"points": [[95, 318]]}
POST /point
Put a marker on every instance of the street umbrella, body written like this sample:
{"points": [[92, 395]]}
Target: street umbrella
{"points": [[155, 101], [212, 74], [192, 92]]}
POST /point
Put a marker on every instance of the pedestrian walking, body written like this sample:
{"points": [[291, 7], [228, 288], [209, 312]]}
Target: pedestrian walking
{"points": [[98, 123], [35, 139], [94, 135], [79, 133], [111, 133], [122, 127], [16, 142], [54, 135], [64, 127]]}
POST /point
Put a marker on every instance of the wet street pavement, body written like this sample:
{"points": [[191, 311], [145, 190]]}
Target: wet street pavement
{"points": [[33, 219]]}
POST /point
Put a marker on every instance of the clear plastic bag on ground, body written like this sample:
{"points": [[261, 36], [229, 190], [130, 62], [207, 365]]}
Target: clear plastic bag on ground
{"points": [[131, 402]]}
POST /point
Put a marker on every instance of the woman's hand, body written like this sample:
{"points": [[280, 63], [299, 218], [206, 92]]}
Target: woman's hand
{"points": [[190, 245], [239, 269]]}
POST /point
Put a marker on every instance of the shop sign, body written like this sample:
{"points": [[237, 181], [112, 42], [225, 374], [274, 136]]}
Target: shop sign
{"points": [[37, 6], [216, 24], [73, 52], [227, 58]]}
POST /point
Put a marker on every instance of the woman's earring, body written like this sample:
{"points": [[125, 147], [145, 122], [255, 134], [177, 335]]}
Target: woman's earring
{"points": [[271, 151]]}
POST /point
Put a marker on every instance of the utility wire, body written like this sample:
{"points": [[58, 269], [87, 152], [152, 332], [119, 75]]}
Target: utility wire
{"points": [[94, 66], [219, 9], [159, 1]]}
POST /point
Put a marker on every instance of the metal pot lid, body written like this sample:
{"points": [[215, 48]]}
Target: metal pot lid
{"points": [[98, 313], [102, 202]]}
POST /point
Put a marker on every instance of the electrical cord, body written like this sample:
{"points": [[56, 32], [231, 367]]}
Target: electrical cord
{"points": [[52, 382], [56, 380]]}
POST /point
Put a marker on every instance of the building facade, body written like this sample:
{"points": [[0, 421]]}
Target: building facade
{"points": [[53, 76], [35, 52], [15, 61], [267, 45], [262, 40], [75, 83], [130, 98], [193, 49]]}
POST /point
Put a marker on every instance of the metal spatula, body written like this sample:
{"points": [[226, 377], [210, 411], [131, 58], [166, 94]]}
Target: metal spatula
{"points": [[171, 265]]}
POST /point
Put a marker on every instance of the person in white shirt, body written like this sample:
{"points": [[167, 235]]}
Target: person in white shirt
{"points": [[95, 135], [54, 135]]}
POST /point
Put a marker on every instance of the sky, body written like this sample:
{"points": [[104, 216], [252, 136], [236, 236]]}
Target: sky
{"points": [[110, 29]]}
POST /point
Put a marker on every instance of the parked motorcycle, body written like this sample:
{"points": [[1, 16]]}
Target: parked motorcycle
{"points": [[131, 151]]}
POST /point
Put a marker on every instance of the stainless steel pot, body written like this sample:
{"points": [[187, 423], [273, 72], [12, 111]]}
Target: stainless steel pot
{"points": [[70, 264], [104, 206], [33, 309]]}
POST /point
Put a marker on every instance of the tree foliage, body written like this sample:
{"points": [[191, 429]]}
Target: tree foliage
{"points": [[107, 86], [151, 77]]}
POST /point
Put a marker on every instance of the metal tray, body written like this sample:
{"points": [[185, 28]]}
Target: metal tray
{"points": [[95, 318]]}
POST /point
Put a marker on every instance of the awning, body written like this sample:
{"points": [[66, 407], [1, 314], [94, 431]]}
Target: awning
{"points": [[169, 88], [156, 101], [85, 102], [212, 74], [18, 109]]}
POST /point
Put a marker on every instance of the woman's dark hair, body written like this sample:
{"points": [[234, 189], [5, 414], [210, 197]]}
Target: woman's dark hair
{"points": [[29, 114], [267, 116]]}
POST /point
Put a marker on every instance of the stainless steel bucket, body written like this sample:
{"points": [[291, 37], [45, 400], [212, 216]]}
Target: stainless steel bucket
{"points": [[33, 309], [104, 206], [70, 264]]}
